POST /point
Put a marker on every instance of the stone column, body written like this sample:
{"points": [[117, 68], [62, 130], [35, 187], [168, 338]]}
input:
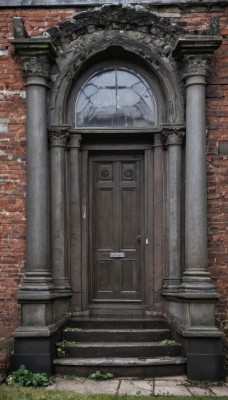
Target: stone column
{"points": [[158, 220], [174, 140], [36, 294], [58, 136], [193, 54], [36, 58], [75, 222], [196, 276]]}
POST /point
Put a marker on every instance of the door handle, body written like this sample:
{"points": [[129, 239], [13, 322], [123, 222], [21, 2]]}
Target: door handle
{"points": [[139, 237]]}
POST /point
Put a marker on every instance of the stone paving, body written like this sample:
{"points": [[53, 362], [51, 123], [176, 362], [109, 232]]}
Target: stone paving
{"points": [[170, 386]]}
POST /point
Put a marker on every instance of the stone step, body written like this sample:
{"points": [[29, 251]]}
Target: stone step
{"points": [[119, 366], [117, 323], [127, 349], [115, 335]]}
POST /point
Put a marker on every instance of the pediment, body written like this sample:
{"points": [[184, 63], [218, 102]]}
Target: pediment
{"points": [[115, 17]]}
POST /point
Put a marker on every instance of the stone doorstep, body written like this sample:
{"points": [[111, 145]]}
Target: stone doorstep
{"points": [[118, 361]]}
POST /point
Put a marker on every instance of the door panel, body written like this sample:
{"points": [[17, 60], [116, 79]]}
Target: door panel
{"points": [[104, 203], [116, 200]]}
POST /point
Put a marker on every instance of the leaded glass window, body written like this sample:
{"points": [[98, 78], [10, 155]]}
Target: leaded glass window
{"points": [[115, 98]]}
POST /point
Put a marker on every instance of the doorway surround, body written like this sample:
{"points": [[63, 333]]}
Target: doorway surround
{"points": [[55, 280]]}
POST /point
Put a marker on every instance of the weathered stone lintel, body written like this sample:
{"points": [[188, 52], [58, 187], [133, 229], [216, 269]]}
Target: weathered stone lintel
{"points": [[193, 45]]}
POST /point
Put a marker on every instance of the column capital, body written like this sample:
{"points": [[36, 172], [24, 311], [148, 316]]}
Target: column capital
{"points": [[59, 135], [173, 135], [75, 139], [158, 140], [36, 55], [193, 52], [195, 64]]}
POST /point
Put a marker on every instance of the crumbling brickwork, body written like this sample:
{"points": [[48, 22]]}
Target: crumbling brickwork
{"points": [[13, 150]]}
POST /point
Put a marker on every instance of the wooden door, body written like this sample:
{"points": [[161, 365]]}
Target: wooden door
{"points": [[116, 210]]}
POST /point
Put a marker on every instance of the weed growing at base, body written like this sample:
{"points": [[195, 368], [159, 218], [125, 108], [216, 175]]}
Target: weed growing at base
{"points": [[24, 377]]}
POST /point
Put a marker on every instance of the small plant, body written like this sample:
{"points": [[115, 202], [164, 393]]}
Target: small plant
{"points": [[72, 329], [68, 342], [61, 352], [167, 341], [24, 377], [100, 376]]}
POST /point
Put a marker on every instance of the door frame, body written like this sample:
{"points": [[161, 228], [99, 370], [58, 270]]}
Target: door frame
{"points": [[144, 147]]}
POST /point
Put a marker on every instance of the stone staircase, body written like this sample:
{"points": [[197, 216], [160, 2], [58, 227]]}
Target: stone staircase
{"points": [[124, 347]]}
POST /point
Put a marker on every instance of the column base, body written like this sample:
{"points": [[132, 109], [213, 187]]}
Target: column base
{"points": [[171, 285], [62, 287], [37, 283], [196, 280]]}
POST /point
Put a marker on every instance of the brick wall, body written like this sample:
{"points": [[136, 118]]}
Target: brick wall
{"points": [[12, 155], [12, 159]]}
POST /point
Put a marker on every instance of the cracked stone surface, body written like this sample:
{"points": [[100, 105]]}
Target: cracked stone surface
{"points": [[171, 387], [86, 386], [195, 391], [175, 386], [220, 390], [136, 387]]}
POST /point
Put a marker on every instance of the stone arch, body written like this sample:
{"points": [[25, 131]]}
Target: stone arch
{"points": [[137, 33]]}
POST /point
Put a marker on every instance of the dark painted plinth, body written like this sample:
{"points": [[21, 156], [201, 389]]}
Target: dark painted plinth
{"points": [[36, 353], [205, 361], [33, 362], [205, 367]]}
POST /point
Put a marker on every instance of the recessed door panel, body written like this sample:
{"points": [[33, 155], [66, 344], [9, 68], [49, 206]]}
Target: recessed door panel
{"points": [[116, 212]]}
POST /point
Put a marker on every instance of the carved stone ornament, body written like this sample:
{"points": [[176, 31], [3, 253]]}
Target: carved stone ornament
{"points": [[58, 136], [174, 139], [36, 65], [196, 64]]}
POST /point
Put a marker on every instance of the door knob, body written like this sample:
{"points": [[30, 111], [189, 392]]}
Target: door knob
{"points": [[139, 237]]}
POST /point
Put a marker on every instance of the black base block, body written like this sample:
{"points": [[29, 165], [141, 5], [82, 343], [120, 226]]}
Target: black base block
{"points": [[205, 367], [33, 362], [36, 353]]}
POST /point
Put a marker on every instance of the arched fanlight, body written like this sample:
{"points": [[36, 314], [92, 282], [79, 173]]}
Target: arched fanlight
{"points": [[115, 98]]}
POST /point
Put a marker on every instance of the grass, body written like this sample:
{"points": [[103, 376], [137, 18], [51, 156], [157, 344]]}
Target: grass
{"points": [[9, 393]]}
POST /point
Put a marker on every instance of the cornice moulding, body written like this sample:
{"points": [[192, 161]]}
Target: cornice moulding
{"points": [[196, 44]]}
